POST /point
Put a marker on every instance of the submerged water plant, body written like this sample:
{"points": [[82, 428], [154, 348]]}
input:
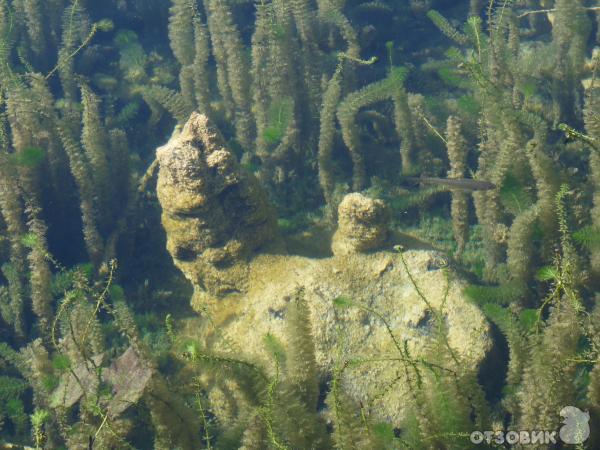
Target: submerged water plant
{"points": [[317, 99]]}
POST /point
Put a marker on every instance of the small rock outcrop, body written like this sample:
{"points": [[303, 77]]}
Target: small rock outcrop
{"points": [[362, 225], [214, 214]]}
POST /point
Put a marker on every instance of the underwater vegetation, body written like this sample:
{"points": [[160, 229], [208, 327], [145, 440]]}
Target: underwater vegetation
{"points": [[312, 124]]}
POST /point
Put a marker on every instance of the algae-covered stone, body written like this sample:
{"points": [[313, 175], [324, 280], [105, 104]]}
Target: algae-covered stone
{"points": [[378, 281], [216, 217], [362, 225], [214, 214]]}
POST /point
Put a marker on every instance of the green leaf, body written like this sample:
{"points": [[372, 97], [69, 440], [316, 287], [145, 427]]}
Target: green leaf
{"points": [[547, 273], [250, 166], [62, 281], [473, 29], [454, 53], [29, 240], [272, 135], [342, 302], [39, 418], [125, 38], [279, 115], [105, 25], [589, 237], [446, 27], [127, 113], [514, 196]]}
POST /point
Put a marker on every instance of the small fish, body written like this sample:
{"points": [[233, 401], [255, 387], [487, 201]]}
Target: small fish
{"points": [[464, 184]]}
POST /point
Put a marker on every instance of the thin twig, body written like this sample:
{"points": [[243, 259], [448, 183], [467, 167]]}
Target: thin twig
{"points": [[62, 62], [437, 133]]}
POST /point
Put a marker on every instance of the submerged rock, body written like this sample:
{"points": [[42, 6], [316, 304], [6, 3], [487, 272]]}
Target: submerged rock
{"points": [[363, 224], [214, 214], [217, 218], [378, 281]]}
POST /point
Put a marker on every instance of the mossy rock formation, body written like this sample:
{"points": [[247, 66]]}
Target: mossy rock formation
{"points": [[215, 215], [216, 218]]}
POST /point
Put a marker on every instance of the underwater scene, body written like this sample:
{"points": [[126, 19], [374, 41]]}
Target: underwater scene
{"points": [[299, 224]]}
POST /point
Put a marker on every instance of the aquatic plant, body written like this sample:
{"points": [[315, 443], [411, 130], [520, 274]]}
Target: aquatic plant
{"points": [[84, 100], [280, 407], [457, 154], [443, 395], [331, 98], [390, 87], [278, 118]]}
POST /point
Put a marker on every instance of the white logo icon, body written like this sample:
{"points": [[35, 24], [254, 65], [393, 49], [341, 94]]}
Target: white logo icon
{"points": [[576, 428]]}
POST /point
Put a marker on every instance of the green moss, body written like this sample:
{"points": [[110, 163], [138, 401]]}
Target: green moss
{"points": [[250, 166], [61, 282], [411, 436], [398, 75], [125, 38], [417, 198], [528, 319], [85, 269]]}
